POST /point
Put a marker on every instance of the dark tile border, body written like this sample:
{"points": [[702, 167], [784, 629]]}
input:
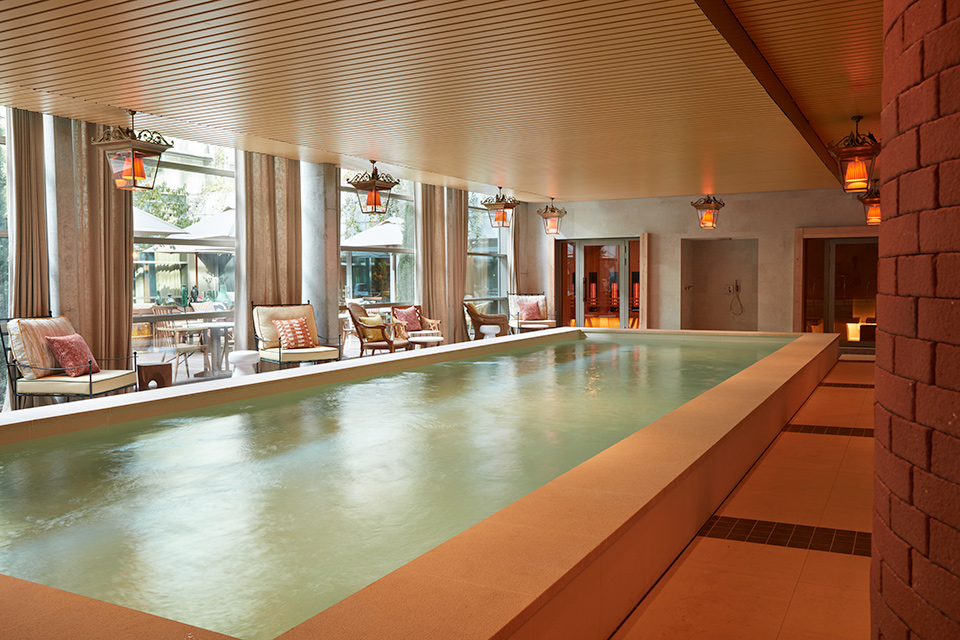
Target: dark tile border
{"points": [[829, 431], [783, 534], [846, 385]]}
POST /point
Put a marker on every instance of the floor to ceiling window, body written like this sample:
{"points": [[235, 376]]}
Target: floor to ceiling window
{"points": [[377, 252], [184, 257], [486, 259], [4, 237]]}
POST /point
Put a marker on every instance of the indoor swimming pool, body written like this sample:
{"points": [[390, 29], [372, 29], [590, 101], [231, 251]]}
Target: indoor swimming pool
{"points": [[249, 517]]}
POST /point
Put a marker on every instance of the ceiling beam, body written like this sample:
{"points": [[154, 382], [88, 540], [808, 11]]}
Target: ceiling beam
{"points": [[723, 18]]}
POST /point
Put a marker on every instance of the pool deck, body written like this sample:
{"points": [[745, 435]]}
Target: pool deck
{"points": [[570, 560]]}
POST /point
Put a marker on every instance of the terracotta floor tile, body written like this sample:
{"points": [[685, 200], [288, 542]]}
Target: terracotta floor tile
{"points": [[858, 457], [851, 373], [700, 602], [830, 613], [850, 505], [781, 494], [761, 561], [834, 406], [806, 451], [836, 570]]}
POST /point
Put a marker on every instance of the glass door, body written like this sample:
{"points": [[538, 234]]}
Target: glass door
{"points": [[594, 286], [840, 289]]}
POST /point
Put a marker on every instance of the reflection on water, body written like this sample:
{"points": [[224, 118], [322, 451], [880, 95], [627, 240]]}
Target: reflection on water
{"points": [[248, 518]]}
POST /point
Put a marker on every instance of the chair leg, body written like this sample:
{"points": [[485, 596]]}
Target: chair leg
{"points": [[186, 362]]}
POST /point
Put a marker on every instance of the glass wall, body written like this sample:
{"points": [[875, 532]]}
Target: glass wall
{"points": [[486, 259], [195, 193], [377, 252], [184, 254], [4, 236]]}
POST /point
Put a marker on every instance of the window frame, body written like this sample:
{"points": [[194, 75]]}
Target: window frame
{"points": [[501, 256], [346, 254]]}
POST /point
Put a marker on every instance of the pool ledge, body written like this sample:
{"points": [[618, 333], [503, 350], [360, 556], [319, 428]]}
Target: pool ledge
{"points": [[571, 559]]}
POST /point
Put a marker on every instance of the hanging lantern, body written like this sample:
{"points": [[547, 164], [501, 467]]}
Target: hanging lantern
{"points": [[133, 155], [871, 204], [499, 209], [856, 154], [708, 211], [373, 189], [551, 218]]}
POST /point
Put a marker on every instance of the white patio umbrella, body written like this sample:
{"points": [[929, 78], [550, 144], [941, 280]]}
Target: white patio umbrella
{"points": [[221, 225], [388, 233], [147, 224]]}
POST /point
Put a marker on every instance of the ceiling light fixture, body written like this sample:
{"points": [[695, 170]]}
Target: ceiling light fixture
{"points": [[133, 155], [499, 209], [551, 218], [856, 154], [871, 203], [373, 189], [708, 211]]}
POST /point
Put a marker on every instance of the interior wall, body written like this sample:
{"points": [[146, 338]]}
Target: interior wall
{"points": [[707, 268], [769, 218]]}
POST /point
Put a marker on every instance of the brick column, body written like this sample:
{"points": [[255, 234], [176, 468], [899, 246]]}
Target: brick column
{"points": [[915, 577]]}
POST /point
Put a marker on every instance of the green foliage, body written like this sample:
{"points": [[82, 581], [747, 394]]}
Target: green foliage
{"points": [[167, 203]]}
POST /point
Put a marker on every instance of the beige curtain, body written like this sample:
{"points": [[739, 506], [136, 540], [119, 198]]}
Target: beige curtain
{"points": [[513, 251], [30, 284], [433, 282], [94, 241], [457, 217], [268, 236]]}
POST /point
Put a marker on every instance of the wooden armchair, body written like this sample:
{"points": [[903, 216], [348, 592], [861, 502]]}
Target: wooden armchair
{"points": [[409, 318], [374, 334], [479, 319], [33, 369]]}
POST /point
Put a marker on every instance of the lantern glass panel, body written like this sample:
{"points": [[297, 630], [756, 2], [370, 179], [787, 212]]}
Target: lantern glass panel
{"points": [[708, 218]]}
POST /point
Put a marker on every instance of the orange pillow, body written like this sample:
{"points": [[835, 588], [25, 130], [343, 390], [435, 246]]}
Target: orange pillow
{"points": [[294, 334], [73, 354]]}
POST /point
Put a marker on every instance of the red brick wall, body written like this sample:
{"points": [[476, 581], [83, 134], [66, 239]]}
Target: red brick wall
{"points": [[915, 578]]}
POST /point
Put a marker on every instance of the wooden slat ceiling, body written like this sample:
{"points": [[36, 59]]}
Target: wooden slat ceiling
{"points": [[576, 99]]}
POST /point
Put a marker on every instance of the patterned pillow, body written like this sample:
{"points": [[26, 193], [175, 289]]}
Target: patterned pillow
{"points": [[410, 316], [30, 349], [366, 326], [529, 309], [73, 354], [294, 334]]}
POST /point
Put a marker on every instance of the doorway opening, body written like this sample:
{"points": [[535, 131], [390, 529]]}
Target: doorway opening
{"points": [[611, 291]]}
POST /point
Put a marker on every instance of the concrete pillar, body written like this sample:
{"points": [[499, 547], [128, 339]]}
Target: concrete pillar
{"points": [[915, 576], [320, 232]]}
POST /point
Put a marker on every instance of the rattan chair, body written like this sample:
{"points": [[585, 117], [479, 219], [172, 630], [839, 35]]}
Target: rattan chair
{"points": [[479, 319], [429, 327], [375, 337]]}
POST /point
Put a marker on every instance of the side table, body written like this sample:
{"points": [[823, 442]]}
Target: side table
{"points": [[160, 374]]}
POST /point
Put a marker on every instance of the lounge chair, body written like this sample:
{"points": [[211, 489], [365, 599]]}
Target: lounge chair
{"points": [[374, 333], [270, 346]]}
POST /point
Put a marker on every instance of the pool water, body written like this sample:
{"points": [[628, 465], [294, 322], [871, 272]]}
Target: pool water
{"points": [[248, 518]]}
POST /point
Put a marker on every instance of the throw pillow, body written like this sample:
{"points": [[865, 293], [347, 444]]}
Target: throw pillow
{"points": [[73, 354], [530, 309], [410, 316], [294, 334], [367, 324], [30, 349]]}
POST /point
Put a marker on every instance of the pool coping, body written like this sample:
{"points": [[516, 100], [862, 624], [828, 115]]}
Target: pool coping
{"points": [[570, 559]]}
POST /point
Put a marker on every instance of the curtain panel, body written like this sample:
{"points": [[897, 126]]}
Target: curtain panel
{"points": [[30, 278], [457, 219], [433, 281], [94, 239], [268, 237]]}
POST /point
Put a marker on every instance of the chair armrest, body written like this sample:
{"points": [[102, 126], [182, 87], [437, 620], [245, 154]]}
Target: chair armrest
{"points": [[381, 328], [430, 324]]}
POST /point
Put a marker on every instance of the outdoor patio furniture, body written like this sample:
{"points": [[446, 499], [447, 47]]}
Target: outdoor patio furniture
{"points": [[176, 336], [244, 362], [33, 369], [270, 345], [374, 333], [479, 319]]}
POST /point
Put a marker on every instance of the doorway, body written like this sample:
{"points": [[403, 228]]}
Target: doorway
{"points": [[612, 290], [840, 289]]}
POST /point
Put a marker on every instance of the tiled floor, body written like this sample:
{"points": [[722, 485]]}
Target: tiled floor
{"points": [[757, 571]]}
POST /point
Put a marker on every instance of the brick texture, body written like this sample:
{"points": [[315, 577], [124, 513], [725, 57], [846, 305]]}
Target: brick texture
{"points": [[915, 568]]}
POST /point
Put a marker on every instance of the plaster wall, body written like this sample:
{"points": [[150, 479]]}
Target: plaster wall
{"points": [[770, 218], [707, 267]]}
